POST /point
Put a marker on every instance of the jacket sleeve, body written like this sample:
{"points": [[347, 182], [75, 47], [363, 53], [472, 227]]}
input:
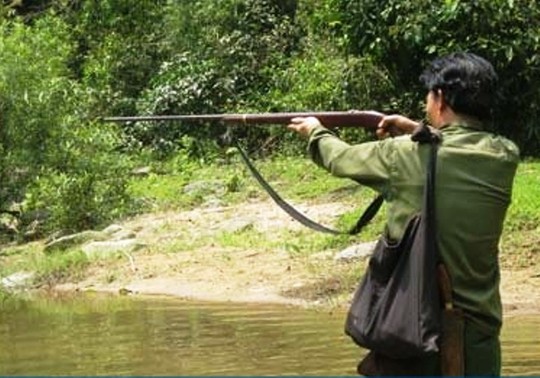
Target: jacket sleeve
{"points": [[367, 163]]}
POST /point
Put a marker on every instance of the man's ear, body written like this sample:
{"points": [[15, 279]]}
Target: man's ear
{"points": [[441, 103]]}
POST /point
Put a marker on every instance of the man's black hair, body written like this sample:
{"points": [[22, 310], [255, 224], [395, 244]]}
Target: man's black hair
{"points": [[468, 83]]}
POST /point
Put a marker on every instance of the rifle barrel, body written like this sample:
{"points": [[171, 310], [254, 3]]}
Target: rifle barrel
{"points": [[194, 117], [367, 118]]}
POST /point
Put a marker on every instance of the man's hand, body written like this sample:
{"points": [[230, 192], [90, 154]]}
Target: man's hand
{"points": [[304, 126], [395, 124]]}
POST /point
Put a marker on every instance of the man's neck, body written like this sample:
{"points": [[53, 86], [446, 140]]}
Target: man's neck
{"points": [[450, 117]]}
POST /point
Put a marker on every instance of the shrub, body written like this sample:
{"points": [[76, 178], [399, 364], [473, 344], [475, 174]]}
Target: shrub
{"points": [[221, 62], [53, 158], [321, 79], [404, 35]]}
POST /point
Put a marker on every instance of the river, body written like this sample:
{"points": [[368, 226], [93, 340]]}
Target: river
{"points": [[96, 334]]}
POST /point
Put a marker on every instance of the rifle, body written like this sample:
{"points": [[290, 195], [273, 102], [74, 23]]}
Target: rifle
{"points": [[354, 118]]}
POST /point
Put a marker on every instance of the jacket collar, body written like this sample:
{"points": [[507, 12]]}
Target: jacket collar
{"points": [[467, 123]]}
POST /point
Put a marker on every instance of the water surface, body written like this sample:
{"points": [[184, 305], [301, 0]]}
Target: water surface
{"points": [[111, 335]]}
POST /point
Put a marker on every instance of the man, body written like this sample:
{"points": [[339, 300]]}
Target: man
{"points": [[473, 191]]}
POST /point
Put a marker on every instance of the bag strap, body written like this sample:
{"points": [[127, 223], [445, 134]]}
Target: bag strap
{"points": [[364, 219], [429, 205], [451, 342], [428, 135]]}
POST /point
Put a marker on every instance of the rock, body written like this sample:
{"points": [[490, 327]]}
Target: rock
{"points": [[35, 221], [356, 252], [209, 192], [116, 232], [213, 203], [123, 235], [104, 248], [9, 223], [17, 280], [206, 188], [112, 233], [112, 229], [142, 171], [68, 241], [124, 291]]}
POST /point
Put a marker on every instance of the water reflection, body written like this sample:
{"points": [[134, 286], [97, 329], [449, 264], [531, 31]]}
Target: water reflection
{"points": [[116, 336], [96, 335]]}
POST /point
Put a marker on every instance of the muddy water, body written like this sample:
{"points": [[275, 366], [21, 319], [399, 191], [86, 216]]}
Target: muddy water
{"points": [[102, 335]]}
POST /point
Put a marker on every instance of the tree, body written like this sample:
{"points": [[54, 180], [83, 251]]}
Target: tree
{"points": [[403, 36]]}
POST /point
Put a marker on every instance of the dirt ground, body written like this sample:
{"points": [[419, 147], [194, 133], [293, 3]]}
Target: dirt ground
{"points": [[274, 275]]}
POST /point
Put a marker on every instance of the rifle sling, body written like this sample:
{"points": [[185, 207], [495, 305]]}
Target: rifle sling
{"points": [[364, 219]]}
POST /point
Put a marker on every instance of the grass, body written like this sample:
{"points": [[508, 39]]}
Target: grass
{"points": [[521, 237], [48, 269], [298, 181], [524, 212], [293, 178]]}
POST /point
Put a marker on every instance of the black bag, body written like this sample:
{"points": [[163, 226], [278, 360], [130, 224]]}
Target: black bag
{"points": [[396, 309]]}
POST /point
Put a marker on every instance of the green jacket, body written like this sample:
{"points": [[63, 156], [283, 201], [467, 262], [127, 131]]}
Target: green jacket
{"points": [[475, 172]]}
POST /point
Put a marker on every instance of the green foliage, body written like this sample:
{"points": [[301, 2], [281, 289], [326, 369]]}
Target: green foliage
{"points": [[4, 297], [247, 37], [320, 79], [523, 213], [118, 49], [64, 63], [32, 85], [183, 85], [521, 234], [53, 160], [220, 64], [51, 270], [79, 200], [47, 269], [404, 35]]}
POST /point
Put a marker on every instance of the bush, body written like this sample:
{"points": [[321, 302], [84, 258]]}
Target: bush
{"points": [[184, 85], [89, 190], [33, 89], [320, 79], [404, 35], [118, 47], [53, 159], [221, 62]]}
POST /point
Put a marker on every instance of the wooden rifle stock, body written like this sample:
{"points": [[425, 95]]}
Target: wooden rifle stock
{"points": [[365, 118]]}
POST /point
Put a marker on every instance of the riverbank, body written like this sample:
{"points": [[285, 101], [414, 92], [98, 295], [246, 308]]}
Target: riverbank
{"points": [[235, 253], [520, 293], [221, 239], [206, 254]]}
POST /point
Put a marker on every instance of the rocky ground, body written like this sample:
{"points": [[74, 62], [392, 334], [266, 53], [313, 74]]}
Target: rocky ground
{"points": [[212, 272]]}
